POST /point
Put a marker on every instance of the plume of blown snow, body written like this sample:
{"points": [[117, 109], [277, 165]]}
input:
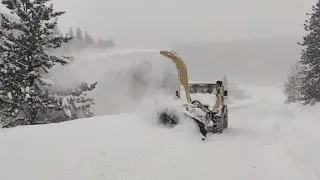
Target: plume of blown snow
{"points": [[127, 79], [124, 77], [160, 102], [150, 106]]}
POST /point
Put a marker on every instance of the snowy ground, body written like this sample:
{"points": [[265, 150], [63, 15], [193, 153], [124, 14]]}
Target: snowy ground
{"points": [[266, 140]]}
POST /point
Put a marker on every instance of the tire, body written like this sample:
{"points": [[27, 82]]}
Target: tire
{"points": [[225, 120], [218, 128]]}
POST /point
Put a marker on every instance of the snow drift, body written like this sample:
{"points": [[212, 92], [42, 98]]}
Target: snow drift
{"points": [[266, 141]]}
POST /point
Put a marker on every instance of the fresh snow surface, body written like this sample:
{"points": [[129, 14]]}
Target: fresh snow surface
{"points": [[266, 140]]}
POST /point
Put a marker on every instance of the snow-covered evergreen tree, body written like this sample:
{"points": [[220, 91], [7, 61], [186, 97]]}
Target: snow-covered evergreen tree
{"points": [[292, 85], [25, 93], [310, 59]]}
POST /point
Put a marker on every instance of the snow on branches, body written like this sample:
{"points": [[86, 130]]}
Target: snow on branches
{"points": [[24, 93], [310, 61]]}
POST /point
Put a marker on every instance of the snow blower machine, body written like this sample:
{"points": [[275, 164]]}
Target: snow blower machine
{"points": [[211, 118]]}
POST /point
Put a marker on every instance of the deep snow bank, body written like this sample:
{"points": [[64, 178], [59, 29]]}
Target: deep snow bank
{"points": [[266, 141], [306, 118]]}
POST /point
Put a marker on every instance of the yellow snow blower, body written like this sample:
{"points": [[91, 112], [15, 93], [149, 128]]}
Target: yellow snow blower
{"points": [[210, 117]]}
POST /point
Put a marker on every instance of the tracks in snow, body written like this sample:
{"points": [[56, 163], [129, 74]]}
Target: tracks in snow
{"points": [[274, 123]]}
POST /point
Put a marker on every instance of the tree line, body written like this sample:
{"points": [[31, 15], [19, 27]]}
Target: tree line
{"points": [[303, 81], [82, 40]]}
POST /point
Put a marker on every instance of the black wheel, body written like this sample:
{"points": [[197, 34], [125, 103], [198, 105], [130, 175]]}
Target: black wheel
{"points": [[218, 127], [225, 120]]}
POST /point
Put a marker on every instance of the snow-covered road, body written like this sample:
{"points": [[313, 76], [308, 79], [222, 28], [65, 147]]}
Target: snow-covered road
{"points": [[266, 140]]}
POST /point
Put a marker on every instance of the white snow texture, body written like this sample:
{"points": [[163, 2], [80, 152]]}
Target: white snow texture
{"points": [[266, 139]]}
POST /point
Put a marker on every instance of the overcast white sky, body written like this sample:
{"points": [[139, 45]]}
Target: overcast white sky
{"points": [[164, 21]]}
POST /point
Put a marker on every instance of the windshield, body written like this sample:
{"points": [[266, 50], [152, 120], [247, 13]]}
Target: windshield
{"points": [[202, 88]]}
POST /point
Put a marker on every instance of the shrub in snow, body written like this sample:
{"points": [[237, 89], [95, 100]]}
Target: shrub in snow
{"points": [[292, 85], [25, 95], [71, 104]]}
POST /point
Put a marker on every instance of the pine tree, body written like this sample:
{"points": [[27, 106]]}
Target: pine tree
{"points": [[110, 43], [292, 85], [88, 39], [99, 44], [71, 33], [310, 59], [67, 48], [56, 31], [25, 93], [105, 44], [79, 35]]}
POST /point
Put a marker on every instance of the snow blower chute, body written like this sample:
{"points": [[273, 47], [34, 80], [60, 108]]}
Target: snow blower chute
{"points": [[210, 118]]}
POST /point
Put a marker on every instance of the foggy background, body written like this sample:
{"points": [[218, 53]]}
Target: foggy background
{"points": [[259, 62], [155, 22], [251, 40]]}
